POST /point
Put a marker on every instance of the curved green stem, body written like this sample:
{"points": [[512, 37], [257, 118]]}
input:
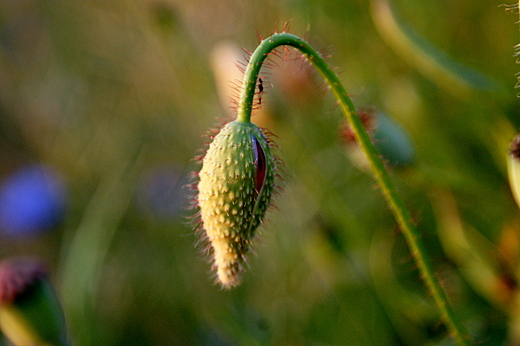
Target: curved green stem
{"points": [[380, 172]]}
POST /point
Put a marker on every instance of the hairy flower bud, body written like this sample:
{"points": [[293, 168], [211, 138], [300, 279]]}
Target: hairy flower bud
{"points": [[235, 188]]}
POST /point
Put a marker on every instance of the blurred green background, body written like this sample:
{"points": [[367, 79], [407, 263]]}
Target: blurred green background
{"points": [[103, 105]]}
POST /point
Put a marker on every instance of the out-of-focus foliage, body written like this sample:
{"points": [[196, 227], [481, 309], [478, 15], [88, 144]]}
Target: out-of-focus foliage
{"points": [[115, 98]]}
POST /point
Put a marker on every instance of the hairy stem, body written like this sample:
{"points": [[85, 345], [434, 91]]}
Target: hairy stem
{"points": [[380, 172]]}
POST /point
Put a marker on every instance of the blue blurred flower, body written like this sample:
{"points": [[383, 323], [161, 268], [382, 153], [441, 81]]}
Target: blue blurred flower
{"points": [[32, 201]]}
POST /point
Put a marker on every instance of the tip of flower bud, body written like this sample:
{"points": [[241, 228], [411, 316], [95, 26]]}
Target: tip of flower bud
{"points": [[227, 263]]}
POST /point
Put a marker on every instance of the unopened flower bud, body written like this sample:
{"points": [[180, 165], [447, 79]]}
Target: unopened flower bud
{"points": [[235, 188], [29, 311]]}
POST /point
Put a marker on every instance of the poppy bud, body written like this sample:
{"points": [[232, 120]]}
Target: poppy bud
{"points": [[29, 311], [235, 188]]}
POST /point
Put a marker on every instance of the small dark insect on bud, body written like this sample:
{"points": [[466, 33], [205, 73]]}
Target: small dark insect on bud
{"points": [[260, 90]]}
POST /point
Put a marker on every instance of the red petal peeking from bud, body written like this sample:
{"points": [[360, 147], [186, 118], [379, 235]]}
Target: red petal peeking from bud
{"points": [[260, 164]]}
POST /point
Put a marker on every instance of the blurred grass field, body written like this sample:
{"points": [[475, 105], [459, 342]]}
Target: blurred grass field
{"points": [[114, 99]]}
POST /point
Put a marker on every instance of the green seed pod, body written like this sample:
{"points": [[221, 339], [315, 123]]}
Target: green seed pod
{"points": [[29, 310], [513, 163], [392, 141], [235, 188]]}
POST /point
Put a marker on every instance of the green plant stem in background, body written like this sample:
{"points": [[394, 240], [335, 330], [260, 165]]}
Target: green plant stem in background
{"points": [[89, 248], [429, 60], [245, 107]]}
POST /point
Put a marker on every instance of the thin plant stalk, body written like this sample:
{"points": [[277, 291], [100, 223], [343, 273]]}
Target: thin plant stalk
{"points": [[412, 235]]}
